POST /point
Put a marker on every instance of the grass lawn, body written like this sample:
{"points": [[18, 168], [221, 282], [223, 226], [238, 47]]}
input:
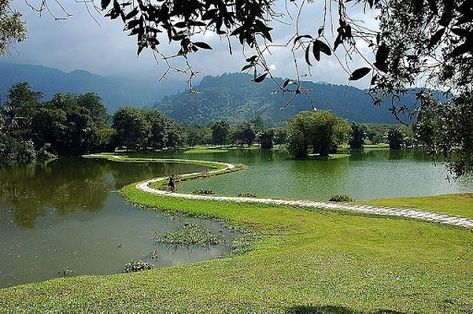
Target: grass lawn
{"points": [[304, 262], [453, 204]]}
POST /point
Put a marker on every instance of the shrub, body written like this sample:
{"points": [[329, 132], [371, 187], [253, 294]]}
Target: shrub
{"points": [[247, 194], [137, 265], [341, 198], [203, 192]]}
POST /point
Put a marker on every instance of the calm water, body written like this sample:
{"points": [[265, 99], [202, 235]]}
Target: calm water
{"points": [[364, 175], [67, 215]]}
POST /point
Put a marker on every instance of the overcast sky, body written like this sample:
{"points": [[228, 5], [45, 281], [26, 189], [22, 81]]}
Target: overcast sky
{"points": [[79, 43]]}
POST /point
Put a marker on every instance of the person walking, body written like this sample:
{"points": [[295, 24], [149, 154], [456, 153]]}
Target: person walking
{"points": [[172, 183]]}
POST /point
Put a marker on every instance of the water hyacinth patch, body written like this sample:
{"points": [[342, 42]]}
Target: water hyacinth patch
{"points": [[190, 234], [246, 194], [137, 265], [341, 198], [203, 192]]}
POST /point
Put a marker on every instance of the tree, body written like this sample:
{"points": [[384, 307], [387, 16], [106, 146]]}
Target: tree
{"points": [[321, 130], [244, 134], [447, 132], [197, 135], [132, 128], [395, 138], [220, 132], [93, 103], [357, 136], [12, 28], [65, 125], [266, 139]]}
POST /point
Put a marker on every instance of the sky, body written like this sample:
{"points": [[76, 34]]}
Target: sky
{"points": [[78, 42]]}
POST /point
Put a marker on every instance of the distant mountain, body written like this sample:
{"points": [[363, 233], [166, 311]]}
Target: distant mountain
{"points": [[234, 97], [115, 92]]}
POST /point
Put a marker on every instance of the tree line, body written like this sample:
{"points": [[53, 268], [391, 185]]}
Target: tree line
{"points": [[72, 125]]}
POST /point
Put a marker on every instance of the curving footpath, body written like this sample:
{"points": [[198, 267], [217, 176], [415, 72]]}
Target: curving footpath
{"points": [[384, 211]]}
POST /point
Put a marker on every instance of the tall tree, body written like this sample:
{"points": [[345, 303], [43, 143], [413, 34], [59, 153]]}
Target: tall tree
{"points": [[132, 128], [93, 103], [321, 130], [395, 138], [220, 132], [447, 132], [357, 136]]}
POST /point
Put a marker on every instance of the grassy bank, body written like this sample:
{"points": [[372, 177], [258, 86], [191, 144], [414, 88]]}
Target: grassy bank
{"points": [[453, 204], [306, 261]]}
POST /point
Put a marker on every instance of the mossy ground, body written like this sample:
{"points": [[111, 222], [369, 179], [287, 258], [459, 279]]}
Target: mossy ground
{"points": [[305, 261]]}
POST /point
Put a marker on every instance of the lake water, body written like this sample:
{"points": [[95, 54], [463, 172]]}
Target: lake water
{"points": [[363, 175], [67, 215]]}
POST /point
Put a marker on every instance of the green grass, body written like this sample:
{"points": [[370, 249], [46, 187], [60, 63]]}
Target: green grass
{"points": [[319, 261], [203, 150], [453, 204]]}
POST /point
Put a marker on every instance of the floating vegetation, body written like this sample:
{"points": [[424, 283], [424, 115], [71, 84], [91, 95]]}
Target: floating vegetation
{"points": [[190, 234], [203, 192], [66, 272], [247, 194], [341, 198], [137, 265], [153, 254]]}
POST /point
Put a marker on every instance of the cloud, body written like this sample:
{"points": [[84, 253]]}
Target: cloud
{"points": [[79, 43]]}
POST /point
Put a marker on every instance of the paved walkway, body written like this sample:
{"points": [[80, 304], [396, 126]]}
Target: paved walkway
{"points": [[384, 211]]}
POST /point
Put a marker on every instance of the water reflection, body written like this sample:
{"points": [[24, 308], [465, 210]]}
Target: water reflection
{"points": [[68, 185], [66, 215]]}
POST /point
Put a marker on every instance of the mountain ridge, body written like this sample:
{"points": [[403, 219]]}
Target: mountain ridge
{"points": [[234, 97], [115, 92]]}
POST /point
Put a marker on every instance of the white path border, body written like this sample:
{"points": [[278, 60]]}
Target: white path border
{"points": [[385, 211]]}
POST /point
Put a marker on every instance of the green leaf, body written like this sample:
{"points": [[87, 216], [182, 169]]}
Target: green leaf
{"points": [[359, 73]]}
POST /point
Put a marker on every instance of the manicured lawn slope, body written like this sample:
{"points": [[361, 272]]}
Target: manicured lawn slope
{"points": [[453, 204], [305, 261]]}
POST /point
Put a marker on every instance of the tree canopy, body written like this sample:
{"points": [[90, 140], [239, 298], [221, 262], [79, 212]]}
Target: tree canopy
{"points": [[12, 28]]}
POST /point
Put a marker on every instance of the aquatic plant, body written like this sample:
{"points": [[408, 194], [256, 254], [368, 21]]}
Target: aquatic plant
{"points": [[341, 198], [137, 265], [246, 194], [153, 254], [190, 234], [203, 192]]}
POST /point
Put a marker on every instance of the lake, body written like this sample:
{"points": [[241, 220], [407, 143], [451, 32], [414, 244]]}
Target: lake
{"points": [[364, 175], [67, 216]]}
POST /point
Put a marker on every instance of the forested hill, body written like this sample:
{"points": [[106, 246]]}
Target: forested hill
{"points": [[234, 97], [115, 92]]}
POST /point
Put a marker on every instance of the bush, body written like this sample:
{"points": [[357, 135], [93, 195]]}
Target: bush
{"points": [[341, 198], [247, 194], [203, 192], [137, 265]]}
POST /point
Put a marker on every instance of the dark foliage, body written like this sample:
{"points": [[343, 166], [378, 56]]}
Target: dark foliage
{"points": [[447, 132]]}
